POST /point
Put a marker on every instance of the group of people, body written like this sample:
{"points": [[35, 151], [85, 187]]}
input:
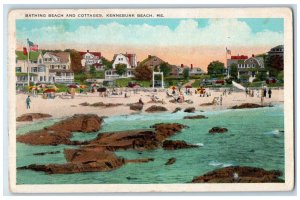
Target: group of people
{"points": [[264, 92]]}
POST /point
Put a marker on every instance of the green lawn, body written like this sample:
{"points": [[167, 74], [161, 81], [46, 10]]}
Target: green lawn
{"points": [[81, 77], [123, 82]]}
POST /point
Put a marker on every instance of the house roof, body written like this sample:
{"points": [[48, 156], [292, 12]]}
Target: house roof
{"points": [[94, 53], [64, 56], [241, 57], [32, 55]]}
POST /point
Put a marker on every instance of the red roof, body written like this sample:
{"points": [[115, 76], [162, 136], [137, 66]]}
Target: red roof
{"points": [[94, 53], [241, 57]]}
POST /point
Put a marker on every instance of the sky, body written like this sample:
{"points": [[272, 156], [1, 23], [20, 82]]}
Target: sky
{"points": [[177, 41]]}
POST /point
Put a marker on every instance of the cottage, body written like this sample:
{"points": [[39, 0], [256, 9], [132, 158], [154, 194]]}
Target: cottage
{"points": [[126, 59], [91, 59]]}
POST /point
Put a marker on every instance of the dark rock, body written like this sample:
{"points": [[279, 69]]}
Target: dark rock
{"points": [[44, 153], [165, 130], [177, 144], [46, 137], [176, 110], [170, 161], [156, 108], [84, 104], [195, 117], [136, 106], [239, 174], [190, 110], [32, 116], [247, 105], [218, 130], [61, 132]]}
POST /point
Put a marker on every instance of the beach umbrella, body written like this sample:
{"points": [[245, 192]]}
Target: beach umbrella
{"points": [[82, 86], [101, 90], [42, 85], [173, 87], [72, 86], [188, 86], [49, 90], [136, 86]]}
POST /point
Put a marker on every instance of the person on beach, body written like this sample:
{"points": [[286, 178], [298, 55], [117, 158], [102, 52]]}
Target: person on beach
{"points": [[270, 92], [221, 99], [246, 92], [141, 101], [265, 92], [28, 101], [262, 96]]}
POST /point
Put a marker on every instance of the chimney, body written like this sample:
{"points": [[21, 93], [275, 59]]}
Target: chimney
{"points": [[182, 66], [149, 56], [253, 55], [87, 50], [191, 66]]}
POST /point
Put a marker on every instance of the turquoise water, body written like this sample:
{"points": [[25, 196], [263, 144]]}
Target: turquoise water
{"points": [[254, 139]]}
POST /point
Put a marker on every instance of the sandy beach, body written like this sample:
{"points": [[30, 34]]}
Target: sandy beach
{"points": [[63, 107]]}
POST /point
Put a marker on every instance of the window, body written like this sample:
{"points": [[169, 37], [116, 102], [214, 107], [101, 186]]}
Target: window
{"points": [[18, 69], [41, 78], [40, 61], [41, 69], [64, 67], [34, 69]]}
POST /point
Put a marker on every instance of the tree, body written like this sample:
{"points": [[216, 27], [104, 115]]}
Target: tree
{"points": [[186, 73], [107, 63], [165, 69], [233, 71], [75, 60], [143, 73], [261, 75], [280, 76], [121, 69], [92, 70], [215, 68]]}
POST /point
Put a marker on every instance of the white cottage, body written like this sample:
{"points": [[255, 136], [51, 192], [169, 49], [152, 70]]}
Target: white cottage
{"points": [[127, 59]]}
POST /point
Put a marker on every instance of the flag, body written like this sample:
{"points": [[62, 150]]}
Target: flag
{"points": [[25, 51], [35, 47], [228, 51], [32, 46]]}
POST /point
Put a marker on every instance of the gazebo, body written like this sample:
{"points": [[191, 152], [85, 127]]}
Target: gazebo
{"points": [[162, 78]]}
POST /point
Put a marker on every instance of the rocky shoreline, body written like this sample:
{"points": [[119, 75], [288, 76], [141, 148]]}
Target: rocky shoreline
{"points": [[98, 154]]}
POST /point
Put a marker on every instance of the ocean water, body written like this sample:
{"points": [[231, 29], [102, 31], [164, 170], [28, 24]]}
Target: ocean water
{"points": [[255, 138]]}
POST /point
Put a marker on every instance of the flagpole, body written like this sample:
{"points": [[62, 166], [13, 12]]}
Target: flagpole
{"points": [[226, 63], [28, 52]]}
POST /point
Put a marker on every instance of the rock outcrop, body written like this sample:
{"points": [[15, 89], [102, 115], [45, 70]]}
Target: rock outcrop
{"points": [[170, 161], [177, 144], [189, 110], [218, 130], [247, 105], [195, 117], [44, 153], [98, 154], [165, 130], [136, 106], [239, 174], [156, 108], [176, 110], [61, 132], [32, 116]]}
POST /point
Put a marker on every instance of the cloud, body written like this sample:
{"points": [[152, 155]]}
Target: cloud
{"points": [[218, 32]]}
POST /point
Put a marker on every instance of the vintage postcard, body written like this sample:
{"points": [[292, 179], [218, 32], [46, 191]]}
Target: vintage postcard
{"points": [[151, 100]]}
